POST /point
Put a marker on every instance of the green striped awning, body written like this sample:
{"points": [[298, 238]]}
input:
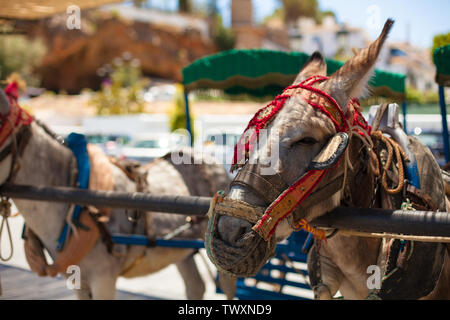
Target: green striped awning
{"points": [[441, 58], [261, 72]]}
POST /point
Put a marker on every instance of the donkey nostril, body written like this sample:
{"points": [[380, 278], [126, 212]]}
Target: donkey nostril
{"points": [[232, 229]]}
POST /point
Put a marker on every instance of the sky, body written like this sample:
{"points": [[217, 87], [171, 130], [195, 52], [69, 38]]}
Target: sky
{"points": [[418, 20]]}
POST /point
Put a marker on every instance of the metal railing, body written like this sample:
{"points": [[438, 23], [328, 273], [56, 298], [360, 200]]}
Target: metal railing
{"points": [[374, 222]]}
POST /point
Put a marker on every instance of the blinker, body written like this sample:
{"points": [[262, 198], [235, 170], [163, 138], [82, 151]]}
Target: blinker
{"points": [[331, 153]]}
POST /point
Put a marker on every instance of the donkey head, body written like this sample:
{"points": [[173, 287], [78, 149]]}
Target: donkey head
{"points": [[302, 132]]}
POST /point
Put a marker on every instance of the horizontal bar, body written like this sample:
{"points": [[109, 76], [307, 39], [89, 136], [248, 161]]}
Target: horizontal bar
{"points": [[421, 223], [112, 199]]}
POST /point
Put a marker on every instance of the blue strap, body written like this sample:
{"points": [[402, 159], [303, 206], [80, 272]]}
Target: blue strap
{"points": [[78, 144], [412, 173], [308, 243]]}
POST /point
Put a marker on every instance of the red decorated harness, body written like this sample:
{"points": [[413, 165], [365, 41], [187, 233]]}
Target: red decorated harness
{"points": [[16, 118], [294, 195]]}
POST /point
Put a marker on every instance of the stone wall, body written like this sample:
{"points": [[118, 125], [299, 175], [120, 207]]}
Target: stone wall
{"points": [[74, 56]]}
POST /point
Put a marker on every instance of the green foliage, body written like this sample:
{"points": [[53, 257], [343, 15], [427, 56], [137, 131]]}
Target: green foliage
{"points": [[185, 6], [20, 54], [224, 38], [121, 92], [415, 96], [139, 3], [276, 15], [320, 15], [440, 40], [177, 115], [293, 9]]}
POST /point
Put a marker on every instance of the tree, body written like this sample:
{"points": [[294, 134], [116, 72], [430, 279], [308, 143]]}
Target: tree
{"points": [[139, 3], [440, 40], [184, 6], [177, 115], [22, 55], [224, 38], [294, 9], [121, 90]]}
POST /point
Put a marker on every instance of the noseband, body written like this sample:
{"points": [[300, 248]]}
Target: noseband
{"points": [[284, 199]]}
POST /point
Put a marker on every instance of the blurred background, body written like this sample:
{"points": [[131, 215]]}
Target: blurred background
{"points": [[112, 69]]}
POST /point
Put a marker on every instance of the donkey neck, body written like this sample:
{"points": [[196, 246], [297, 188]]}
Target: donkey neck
{"points": [[45, 162]]}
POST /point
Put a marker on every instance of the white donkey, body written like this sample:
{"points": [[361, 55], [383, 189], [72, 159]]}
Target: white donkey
{"points": [[44, 161]]}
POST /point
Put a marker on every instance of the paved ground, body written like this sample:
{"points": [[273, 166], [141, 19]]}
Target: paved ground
{"points": [[20, 283]]}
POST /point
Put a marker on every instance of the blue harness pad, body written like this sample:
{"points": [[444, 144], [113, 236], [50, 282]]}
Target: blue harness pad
{"points": [[412, 173], [78, 144]]}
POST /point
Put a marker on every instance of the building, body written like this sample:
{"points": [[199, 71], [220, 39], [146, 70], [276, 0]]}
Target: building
{"points": [[416, 63], [333, 40], [248, 35]]}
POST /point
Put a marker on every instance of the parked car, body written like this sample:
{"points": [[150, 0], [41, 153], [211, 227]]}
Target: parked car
{"points": [[145, 148], [220, 144], [432, 139], [110, 144]]}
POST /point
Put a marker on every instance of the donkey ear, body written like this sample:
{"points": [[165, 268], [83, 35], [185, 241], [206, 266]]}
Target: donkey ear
{"points": [[315, 65], [4, 103], [351, 80]]}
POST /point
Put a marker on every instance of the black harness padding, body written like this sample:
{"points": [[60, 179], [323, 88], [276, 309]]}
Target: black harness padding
{"points": [[413, 271], [412, 268]]}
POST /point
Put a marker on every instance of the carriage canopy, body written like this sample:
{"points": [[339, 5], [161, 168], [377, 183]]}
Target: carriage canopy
{"points": [[260, 72], [441, 58]]}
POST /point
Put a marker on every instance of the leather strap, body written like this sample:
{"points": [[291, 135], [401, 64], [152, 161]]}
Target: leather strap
{"points": [[23, 136], [267, 187], [378, 116]]}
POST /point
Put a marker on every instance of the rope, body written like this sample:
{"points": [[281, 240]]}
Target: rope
{"points": [[395, 236], [317, 233], [69, 221], [5, 208], [5, 205], [392, 147]]}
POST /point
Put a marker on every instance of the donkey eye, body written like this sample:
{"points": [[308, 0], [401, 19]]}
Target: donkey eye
{"points": [[306, 141]]}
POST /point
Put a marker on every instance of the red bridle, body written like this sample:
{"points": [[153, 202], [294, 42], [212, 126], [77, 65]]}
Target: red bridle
{"points": [[295, 194], [16, 118]]}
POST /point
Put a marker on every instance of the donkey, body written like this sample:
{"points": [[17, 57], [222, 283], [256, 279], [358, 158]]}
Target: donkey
{"points": [[307, 122], [44, 161]]}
